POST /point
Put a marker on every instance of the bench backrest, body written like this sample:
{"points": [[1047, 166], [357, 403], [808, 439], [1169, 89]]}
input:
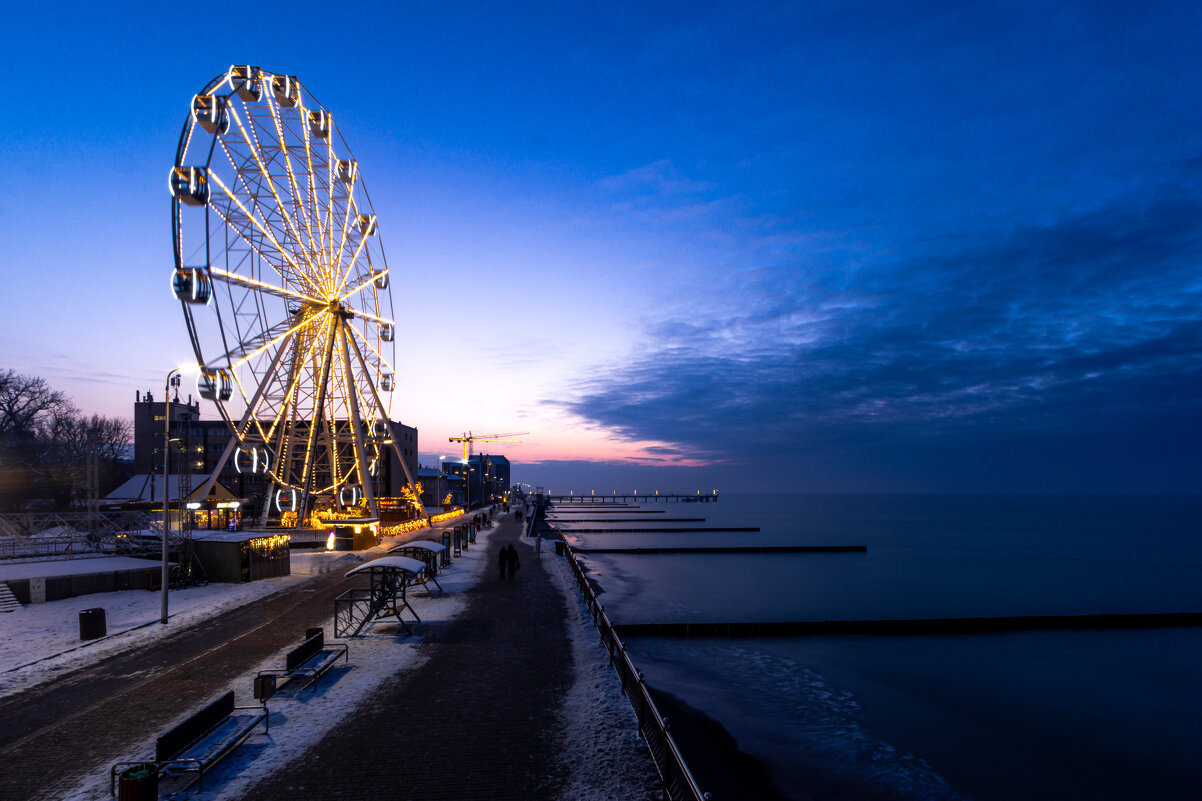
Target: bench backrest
{"points": [[305, 651], [179, 738]]}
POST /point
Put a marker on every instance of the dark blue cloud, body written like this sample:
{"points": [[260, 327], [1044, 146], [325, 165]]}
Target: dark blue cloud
{"points": [[1059, 336]]}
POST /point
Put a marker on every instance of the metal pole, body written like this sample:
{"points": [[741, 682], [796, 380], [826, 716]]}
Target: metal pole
{"points": [[166, 478]]}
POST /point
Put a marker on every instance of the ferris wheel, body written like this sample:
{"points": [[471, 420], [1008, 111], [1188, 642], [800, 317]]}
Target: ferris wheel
{"points": [[284, 288]]}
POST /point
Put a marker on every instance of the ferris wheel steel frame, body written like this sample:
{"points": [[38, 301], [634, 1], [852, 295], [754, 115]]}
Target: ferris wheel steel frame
{"points": [[281, 274]]}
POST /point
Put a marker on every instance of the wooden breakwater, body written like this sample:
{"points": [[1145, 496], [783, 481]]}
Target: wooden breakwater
{"points": [[952, 625], [574, 520], [730, 549]]}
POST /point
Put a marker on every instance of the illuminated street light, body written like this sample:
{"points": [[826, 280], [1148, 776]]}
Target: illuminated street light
{"points": [[172, 381]]}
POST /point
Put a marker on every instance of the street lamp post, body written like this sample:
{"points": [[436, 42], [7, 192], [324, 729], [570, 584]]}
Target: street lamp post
{"points": [[172, 381]]}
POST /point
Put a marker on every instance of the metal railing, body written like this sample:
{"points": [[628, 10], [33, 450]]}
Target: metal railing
{"points": [[34, 535], [679, 784]]}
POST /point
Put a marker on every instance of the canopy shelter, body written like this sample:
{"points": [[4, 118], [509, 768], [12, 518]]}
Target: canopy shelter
{"points": [[384, 597], [427, 552]]}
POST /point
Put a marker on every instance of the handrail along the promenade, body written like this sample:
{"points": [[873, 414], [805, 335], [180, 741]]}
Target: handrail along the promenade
{"points": [[679, 784]]}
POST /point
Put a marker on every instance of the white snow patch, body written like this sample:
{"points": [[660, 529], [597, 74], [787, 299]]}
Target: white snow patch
{"points": [[297, 723], [38, 641], [606, 758]]}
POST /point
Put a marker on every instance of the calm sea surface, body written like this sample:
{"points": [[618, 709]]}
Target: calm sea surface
{"points": [[1097, 714]]}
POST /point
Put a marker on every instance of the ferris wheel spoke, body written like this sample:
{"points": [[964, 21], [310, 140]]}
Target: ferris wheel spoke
{"points": [[275, 339], [381, 361], [351, 214], [350, 265], [265, 175], [370, 280], [316, 228], [252, 408], [287, 159], [328, 223], [264, 230], [278, 291]]}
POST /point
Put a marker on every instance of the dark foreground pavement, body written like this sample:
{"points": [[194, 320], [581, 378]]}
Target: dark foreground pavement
{"points": [[477, 720]]}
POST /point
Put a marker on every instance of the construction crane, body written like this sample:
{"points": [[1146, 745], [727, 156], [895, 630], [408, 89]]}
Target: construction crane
{"points": [[468, 438]]}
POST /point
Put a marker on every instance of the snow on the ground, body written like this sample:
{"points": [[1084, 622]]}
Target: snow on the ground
{"points": [[376, 656], [39, 641], [606, 758]]}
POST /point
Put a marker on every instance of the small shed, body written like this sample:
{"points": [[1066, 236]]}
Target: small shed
{"points": [[353, 534], [240, 556]]}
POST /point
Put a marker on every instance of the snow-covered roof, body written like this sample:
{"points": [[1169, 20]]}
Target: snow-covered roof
{"points": [[139, 488], [75, 567], [403, 563], [232, 536], [427, 545]]}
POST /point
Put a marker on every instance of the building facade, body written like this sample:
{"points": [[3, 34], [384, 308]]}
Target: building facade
{"points": [[201, 443]]}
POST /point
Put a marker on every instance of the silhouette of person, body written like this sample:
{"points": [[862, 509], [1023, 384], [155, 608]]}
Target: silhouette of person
{"points": [[512, 559]]}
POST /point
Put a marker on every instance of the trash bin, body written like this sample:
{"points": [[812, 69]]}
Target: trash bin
{"points": [[91, 624], [138, 783]]}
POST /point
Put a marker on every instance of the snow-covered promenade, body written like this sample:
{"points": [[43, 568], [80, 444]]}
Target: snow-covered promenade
{"points": [[502, 693]]}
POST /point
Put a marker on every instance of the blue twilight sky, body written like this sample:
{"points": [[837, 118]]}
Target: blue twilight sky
{"points": [[818, 246]]}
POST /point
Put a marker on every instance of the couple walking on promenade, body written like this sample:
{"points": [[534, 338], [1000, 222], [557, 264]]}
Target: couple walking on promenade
{"points": [[507, 562]]}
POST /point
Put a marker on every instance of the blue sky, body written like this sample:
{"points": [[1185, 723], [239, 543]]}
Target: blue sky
{"points": [[827, 247]]}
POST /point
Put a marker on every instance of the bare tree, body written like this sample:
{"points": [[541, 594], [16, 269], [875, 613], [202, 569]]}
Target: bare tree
{"points": [[27, 404], [71, 441], [45, 443]]}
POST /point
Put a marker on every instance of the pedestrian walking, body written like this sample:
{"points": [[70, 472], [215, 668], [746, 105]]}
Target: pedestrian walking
{"points": [[512, 559]]}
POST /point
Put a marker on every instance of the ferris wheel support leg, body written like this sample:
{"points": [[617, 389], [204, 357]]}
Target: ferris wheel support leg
{"points": [[314, 427], [251, 408], [384, 413], [357, 424]]}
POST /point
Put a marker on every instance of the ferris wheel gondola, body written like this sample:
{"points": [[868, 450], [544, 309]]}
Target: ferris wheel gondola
{"points": [[282, 279]]}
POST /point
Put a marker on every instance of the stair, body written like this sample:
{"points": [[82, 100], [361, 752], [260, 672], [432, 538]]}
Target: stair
{"points": [[8, 601]]}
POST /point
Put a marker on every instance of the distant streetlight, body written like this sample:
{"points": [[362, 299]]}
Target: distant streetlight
{"points": [[172, 381]]}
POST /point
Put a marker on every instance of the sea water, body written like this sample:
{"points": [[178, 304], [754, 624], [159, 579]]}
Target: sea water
{"points": [[1050, 714]]}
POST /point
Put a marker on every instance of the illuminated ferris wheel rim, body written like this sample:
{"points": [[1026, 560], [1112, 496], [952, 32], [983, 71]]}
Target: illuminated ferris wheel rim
{"points": [[296, 277]]}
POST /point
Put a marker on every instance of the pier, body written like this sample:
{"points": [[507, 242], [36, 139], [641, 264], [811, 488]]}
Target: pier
{"points": [[633, 497]]}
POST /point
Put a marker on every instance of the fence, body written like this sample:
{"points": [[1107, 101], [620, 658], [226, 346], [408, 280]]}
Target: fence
{"points": [[679, 784], [33, 535]]}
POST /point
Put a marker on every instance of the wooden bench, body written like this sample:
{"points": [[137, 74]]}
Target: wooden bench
{"points": [[201, 741], [311, 658]]}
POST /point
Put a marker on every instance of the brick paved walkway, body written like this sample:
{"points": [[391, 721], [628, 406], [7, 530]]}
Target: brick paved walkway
{"points": [[475, 721]]}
